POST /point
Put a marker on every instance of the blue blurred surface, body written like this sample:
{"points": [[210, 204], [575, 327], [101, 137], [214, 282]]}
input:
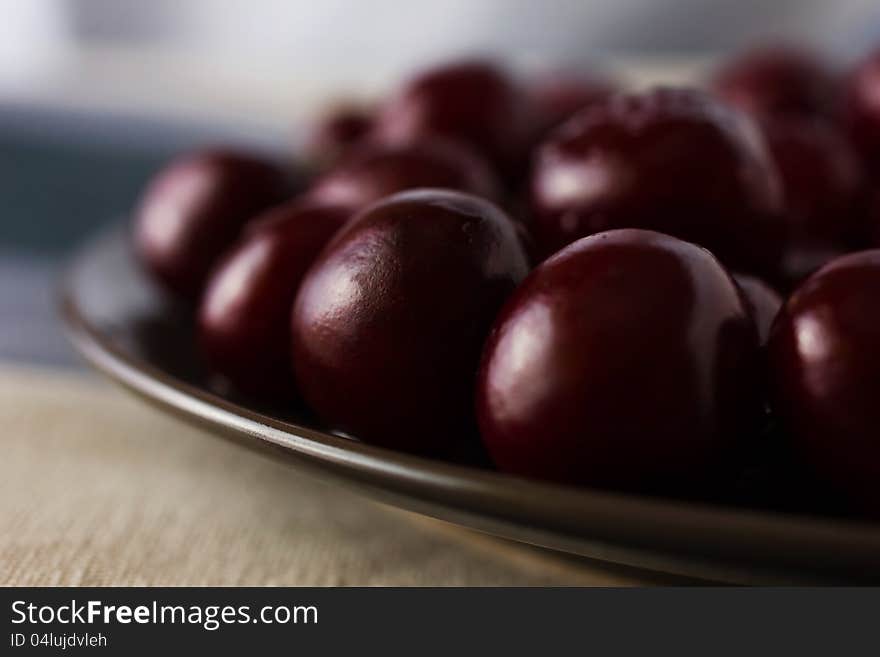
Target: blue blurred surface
{"points": [[52, 194], [62, 177]]}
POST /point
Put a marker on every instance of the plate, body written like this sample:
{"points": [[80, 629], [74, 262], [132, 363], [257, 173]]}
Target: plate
{"points": [[124, 327]]}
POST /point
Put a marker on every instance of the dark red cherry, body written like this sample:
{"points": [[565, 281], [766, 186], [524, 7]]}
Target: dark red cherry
{"points": [[627, 360], [802, 259], [338, 132], [389, 322], [862, 109], [675, 161], [376, 171], [525, 239], [778, 80], [762, 302], [473, 102], [195, 208], [821, 181], [556, 97], [872, 218], [825, 366], [244, 319]]}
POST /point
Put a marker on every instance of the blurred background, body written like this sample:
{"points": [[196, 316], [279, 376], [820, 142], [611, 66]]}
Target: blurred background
{"points": [[95, 94]]}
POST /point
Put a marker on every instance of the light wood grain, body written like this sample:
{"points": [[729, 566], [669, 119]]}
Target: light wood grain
{"points": [[98, 489]]}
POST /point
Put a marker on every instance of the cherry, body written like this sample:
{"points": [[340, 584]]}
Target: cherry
{"points": [[338, 132], [627, 360], [802, 259], [862, 108], [389, 322], [676, 161], [558, 96], [374, 172], [762, 302], [470, 101], [821, 181], [825, 368], [778, 80], [244, 316], [872, 216], [195, 208]]}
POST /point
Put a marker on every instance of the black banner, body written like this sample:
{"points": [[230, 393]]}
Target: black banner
{"points": [[703, 621]]}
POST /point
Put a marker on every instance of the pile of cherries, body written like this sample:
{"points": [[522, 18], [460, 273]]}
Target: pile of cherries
{"points": [[637, 291]]}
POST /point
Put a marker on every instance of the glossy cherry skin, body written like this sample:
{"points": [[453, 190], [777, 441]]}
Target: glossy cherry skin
{"points": [[825, 366], [778, 81], [862, 109], [389, 322], [762, 302], [337, 133], [194, 210], [627, 360], [471, 101], [821, 178], [377, 171], [671, 160], [244, 319]]}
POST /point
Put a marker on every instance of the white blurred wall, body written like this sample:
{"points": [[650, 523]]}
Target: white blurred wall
{"points": [[161, 52], [34, 35], [434, 26], [386, 34]]}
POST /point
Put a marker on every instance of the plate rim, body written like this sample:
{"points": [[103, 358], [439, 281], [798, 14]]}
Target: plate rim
{"points": [[724, 537]]}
